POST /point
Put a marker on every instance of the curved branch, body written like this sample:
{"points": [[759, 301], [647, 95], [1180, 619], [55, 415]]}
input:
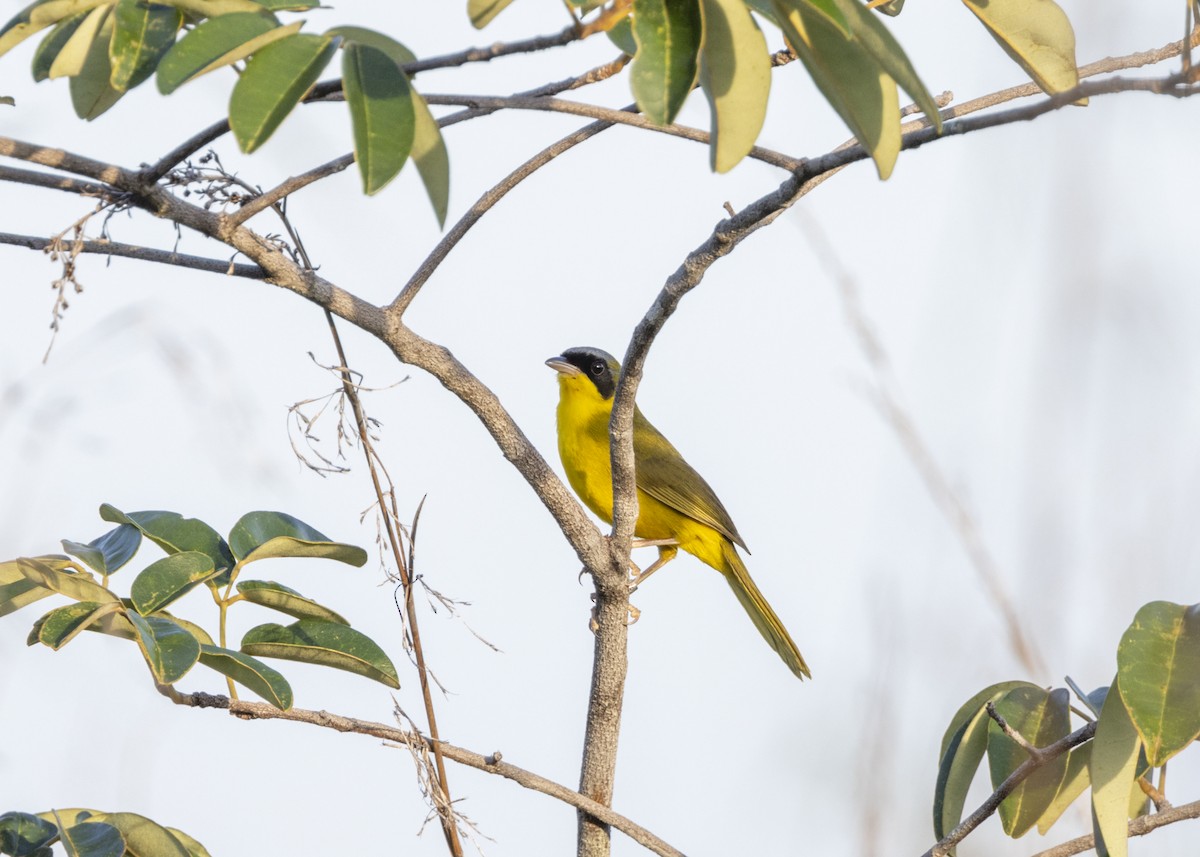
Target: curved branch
{"points": [[492, 764], [624, 116], [145, 254], [1137, 827]]}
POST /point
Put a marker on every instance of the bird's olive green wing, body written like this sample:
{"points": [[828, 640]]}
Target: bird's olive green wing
{"points": [[664, 475]]}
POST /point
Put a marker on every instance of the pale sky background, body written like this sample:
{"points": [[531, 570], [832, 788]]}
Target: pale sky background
{"points": [[1033, 285]]}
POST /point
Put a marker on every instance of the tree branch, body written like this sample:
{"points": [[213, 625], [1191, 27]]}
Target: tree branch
{"points": [[247, 710], [104, 247], [35, 178], [1137, 827]]}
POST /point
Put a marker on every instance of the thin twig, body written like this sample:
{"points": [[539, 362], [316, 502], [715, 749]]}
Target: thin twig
{"points": [[491, 764], [53, 182], [1020, 740], [105, 247]]}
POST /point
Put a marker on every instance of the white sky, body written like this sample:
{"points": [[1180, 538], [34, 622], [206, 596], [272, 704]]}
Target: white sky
{"points": [[1033, 286]]}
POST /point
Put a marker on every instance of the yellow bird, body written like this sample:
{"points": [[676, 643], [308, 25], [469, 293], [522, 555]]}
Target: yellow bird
{"points": [[675, 504]]}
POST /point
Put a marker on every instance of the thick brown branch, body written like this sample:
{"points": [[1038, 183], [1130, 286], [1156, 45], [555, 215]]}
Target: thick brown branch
{"points": [[492, 764], [144, 254]]}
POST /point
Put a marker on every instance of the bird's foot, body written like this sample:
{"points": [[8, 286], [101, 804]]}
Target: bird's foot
{"points": [[594, 618]]}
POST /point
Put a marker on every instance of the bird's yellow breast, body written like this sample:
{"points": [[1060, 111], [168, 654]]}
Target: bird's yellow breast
{"points": [[583, 417]]}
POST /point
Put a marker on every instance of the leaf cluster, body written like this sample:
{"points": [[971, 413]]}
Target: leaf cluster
{"points": [[195, 555], [1149, 713], [90, 833]]}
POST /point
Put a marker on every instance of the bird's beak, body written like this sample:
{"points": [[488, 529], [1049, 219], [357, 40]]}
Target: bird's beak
{"points": [[559, 364]]}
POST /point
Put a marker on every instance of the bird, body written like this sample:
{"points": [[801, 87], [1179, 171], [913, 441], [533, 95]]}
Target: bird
{"points": [[676, 507]]}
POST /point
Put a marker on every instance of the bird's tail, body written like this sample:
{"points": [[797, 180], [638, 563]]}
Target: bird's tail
{"points": [[761, 614]]}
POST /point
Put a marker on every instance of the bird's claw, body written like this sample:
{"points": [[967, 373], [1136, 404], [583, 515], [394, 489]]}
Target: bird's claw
{"points": [[594, 618]]}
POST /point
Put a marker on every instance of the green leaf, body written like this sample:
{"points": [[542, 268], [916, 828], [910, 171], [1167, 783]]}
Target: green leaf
{"points": [[53, 44], [268, 593], [1073, 785], [79, 586], [169, 578], [39, 15], [62, 625], [289, 5], [870, 32], [482, 12], [1158, 673], [191, 627], [216, 43], [93, 839], [143, 837], [174, 533], [250, 672], [91, 92], [373, 39], [109, 552], [429, 153], [169, 649], [73, 54], [891, 8], [194, 848], [621, 35], [24, 835], [69, 817], [1037, 34], [17, 591], [328, 644], [262, 535], [664, 69], [1113, 769], [217, 8], [962, 750], [1041, 718], [144, 32], [735, 74], [381, 114], [275, 79], [8, 101], [849, 77]]}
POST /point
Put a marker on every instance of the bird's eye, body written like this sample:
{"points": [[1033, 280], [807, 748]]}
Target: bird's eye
{"points": [[597, 368]]}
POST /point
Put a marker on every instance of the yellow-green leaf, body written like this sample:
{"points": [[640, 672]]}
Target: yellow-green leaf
{"points": [[194, 848], [373, 39], [94, 839], [74, 52], [1158, 673], [432, 160], [143, 837], [381, 114], [481, 12], [735, 74], [1037, 34], [1073, 785], [664, 69], [216, 43], [169, 649], [263, 535], [62, 625], [169, 578], [109, 552], [249, 672], [39, 15], [962, 750], [275, 79], [849, 77], [79, 586], [268, 593], [1042, 718], [327, 644], [870, 32], [144, 31], [51, 46], [1112, 769]]}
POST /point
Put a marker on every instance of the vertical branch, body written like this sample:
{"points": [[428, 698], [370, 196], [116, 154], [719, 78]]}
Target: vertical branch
{"points": [[442, 802]]}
